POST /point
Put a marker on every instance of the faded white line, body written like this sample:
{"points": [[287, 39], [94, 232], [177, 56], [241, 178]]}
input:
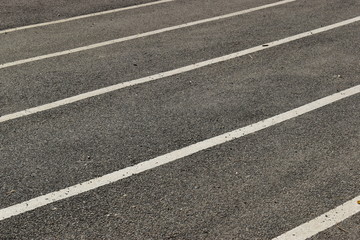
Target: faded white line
{"points": [[141, 35], [172, 156], [323, 222], [83, 16], [154, 77]]}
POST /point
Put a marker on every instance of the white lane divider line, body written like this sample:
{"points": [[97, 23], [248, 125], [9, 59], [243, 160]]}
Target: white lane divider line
{"points": [[173, 156], [173, 72], [323, 222], [83, 16], [140, 35]]}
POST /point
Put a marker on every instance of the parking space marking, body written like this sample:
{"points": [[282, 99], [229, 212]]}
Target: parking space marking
{"points": [[173, 72], [83, 16], [141, 35], [172, 156], [323, 222]]}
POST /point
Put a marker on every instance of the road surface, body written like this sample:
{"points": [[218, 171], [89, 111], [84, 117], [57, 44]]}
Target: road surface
{"points": [[181, 119]]}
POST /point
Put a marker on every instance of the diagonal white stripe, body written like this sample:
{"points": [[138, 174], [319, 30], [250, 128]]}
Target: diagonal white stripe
{"points": [[323, 222], [82, 16], [172, 156]]}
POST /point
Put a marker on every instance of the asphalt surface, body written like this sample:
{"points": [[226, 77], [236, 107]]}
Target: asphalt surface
{"points": [[255, 187], [22, 12]]}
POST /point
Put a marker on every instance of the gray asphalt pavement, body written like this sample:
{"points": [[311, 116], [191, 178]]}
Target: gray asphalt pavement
{"points": [[18, 13], [255, 187]]}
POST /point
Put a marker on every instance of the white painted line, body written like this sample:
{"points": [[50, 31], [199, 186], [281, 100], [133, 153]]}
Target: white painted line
{"points": [[323, 222], [173, 72], [172, 156], [140, 35], [83, 16]]}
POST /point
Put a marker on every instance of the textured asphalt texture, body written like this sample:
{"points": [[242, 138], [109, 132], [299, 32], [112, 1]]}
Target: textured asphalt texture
{"points": [[18, 13], [256, 187]]}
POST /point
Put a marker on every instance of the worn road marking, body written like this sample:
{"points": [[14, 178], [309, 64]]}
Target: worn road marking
{"points": [[173, 72], [323, 222], [173, 156], [82, 16], [140, 35]]}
